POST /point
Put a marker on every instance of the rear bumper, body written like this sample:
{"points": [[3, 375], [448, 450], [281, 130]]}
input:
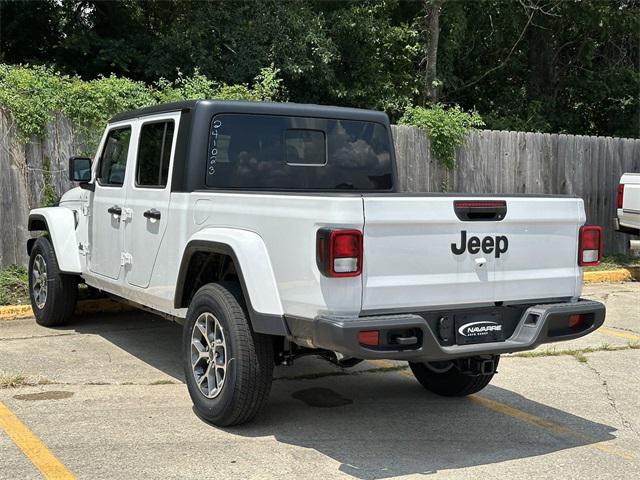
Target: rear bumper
{"points": [[622, 229], [537, 325]]}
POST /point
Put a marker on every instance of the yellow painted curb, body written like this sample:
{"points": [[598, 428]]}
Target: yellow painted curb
{"points": [[617, 275], [15, 312], [12, 312]]}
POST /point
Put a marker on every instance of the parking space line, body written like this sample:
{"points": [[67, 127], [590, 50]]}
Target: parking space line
{"points": [[553, 427], [618, 333], [33, 448], [531, 419]]}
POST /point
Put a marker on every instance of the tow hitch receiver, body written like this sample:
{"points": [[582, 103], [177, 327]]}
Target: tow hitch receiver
{"points": [[475, 366]]}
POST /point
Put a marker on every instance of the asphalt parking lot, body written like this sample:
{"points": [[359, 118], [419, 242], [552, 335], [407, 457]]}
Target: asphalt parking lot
{"points": [[104, 398]]}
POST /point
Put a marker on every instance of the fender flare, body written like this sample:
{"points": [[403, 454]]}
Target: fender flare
{"points": [[253, 266], [60, 223]]}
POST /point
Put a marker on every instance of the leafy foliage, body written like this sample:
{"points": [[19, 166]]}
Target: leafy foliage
{"points": [[447, 128], [33, 93], [30, 94], [575, 69], [49, 195], [14, 287], [377, 50], [565, 66]]}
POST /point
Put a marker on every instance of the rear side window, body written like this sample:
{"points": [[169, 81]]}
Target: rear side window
{"points": [[113, 161], [154, 154], [271, 152]]}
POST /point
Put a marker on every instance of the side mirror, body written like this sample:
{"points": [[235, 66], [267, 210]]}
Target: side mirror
{"points": [[79, 169]]}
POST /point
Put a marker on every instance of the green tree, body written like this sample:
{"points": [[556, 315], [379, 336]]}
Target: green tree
{"points": [[550, 65], [545, 65]]}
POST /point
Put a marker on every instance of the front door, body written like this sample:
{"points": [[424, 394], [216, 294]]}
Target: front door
{"points": [[148, 195], [107, 209]]}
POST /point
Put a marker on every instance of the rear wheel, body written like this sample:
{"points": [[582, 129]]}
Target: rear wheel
{"points": [[53, 294], [228, 367], [447, 379]]}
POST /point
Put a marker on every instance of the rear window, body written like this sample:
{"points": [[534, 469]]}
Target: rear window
{"points": [[256, 152]]}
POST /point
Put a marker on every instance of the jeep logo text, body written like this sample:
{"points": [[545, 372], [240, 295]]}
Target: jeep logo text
{"points": [[499, 245]]}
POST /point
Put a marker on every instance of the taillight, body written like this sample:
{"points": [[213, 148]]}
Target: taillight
{"points": [[339, 252], [620, 195], [370, 338], [590, 246], [577, 320]]}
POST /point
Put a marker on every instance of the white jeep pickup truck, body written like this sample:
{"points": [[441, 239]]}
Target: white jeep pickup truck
{"points": [[627, 218], [273, 231]]}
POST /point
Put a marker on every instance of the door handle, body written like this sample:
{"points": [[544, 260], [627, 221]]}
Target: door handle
{"points": [[115, 210], [153, 213]]}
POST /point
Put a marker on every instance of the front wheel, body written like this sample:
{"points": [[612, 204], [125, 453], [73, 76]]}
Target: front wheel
{"points": [[53, 294], [448, 379], [228, 367]]}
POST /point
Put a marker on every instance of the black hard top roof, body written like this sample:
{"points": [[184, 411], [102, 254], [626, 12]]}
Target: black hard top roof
{"points": [[264, 108]]}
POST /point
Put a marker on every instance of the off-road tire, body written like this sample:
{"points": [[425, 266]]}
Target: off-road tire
{"points": [[62, 289], [250, 357], [451, 383]]}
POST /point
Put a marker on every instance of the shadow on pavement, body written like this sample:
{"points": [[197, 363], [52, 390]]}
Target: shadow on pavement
{"points": [[393, 427], [376, 425], [150, 338]]}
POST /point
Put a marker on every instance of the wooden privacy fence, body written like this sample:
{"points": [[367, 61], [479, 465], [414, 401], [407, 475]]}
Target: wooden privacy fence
{"points": [[518, 162], [489, 162]]}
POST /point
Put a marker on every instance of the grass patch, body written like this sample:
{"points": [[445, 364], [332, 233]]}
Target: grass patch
{"points": [[612, 262], [13, 380], [14, 285], [581, 357], [163, 382], [579, 353]]}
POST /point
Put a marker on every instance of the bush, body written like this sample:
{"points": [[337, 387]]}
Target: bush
{"points": [[32, 94], [447, 128], [14, 285]]}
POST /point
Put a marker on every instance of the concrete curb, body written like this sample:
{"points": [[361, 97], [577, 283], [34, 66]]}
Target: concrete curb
{"points": [[15, 312], [618, 275]]}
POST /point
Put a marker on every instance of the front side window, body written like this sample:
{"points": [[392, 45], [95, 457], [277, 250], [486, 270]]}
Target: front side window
{"points": [[154, 154], [272, 152], [113, 161]]}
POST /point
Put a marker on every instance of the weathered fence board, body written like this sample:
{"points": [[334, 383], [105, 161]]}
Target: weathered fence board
{"points": [[518, 162], [22, 179], [489, 162]]}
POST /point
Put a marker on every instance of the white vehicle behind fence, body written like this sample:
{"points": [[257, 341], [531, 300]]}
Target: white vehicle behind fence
{"points": [[273, 231]]}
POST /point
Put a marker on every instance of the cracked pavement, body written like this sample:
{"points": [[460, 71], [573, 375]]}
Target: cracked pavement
{"points": [[111, 404]]}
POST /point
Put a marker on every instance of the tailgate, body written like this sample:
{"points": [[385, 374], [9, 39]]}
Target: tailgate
{"points": [[421, 252]]}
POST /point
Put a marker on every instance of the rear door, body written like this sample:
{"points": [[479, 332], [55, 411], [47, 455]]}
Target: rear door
{"points": [[422, 251], [149, 190]]}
